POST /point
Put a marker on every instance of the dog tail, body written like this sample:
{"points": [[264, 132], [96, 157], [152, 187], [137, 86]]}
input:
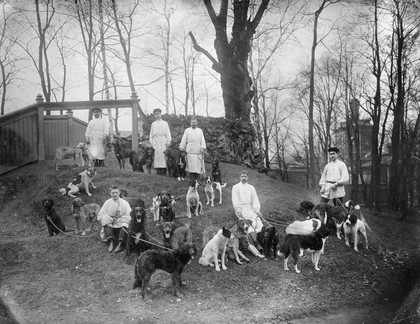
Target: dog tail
{"points": [[362, 218], [223, 185]]}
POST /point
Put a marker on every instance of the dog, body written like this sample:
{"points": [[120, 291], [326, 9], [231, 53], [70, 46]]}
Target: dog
{"points": [[269, 238], [166, 213], [214, 247], [82, 181], [174, 236], [182, 165], [294, 245], [194, 205], [122, 153], [84, 214], [209, 190], [334, 214], [75, 152], [216, 177], [54, 223], [171, 154], [240, 232], [137, 239], [172, 262], [355, 223], [147, 158]]}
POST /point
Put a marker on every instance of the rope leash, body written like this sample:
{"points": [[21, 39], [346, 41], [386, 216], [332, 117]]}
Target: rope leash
{"points": [[138, 238], [73, 235]]}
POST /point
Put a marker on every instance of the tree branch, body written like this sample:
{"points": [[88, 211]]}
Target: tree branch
{"points": [[198, 48]]}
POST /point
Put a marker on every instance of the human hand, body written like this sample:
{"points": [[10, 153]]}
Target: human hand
{"points": [[238, 213]]}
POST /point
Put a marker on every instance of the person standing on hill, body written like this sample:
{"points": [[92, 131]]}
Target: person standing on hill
{"points": [[194, 144], [333, 178], [160, 138], [96, 134]]}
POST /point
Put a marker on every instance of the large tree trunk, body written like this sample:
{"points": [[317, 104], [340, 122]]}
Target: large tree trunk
{"points": [[232, 56]]}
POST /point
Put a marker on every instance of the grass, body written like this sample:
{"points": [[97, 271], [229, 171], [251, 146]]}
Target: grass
{"points": [[68, 279]]}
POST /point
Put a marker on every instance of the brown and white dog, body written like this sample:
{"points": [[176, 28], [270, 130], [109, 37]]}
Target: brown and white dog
{"points": [[215, 247], [84, 215], [295, 244], [194, 205], [355, 223], [240, 232], [76, 152], [210, 189], [83, 180]]}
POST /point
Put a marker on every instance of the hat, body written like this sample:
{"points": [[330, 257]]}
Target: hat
{"points": [[157, 110], [96, 109], [333, 149]]}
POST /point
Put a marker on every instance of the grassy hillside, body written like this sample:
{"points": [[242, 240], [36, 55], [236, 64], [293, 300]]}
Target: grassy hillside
{"points": [[68, 279]]}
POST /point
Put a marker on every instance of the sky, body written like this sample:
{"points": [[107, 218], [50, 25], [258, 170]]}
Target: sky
{"points": [[288, 61]]}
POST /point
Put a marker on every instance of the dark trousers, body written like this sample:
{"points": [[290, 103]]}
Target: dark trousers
{"points": [[161, 171], [115, 234], [194, 176], [335, 201]]}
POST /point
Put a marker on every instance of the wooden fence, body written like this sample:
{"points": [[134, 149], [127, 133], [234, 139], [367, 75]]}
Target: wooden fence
{"points": [[29, 134]]}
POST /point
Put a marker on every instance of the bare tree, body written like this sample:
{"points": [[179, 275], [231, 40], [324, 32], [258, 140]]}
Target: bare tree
{"points": [[232, 55]]}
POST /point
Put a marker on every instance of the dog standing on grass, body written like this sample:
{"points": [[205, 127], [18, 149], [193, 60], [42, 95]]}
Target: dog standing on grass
{"points": [[75, 152], [194, 205]]}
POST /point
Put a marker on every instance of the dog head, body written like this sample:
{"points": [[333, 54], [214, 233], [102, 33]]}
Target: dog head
{"points": [[138, 214], [82, 146], [226, 233], [47, 204], [123, 193], [91, 172], [269, 232], [351, 219], [350, 205], [77, 202], [63, 191], [194, 184], [182, 153], [165, 198], [188, 249], [208, 180], [243, 225], [167, 229]]}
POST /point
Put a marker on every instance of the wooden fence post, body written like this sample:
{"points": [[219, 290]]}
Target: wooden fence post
{"points": [[70, 128], [135, 134], [41, 128]]}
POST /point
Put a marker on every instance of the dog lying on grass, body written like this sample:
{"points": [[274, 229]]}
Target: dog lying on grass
{"points": [[84, 215], [172, 262], [83, 180], [53, 221]]}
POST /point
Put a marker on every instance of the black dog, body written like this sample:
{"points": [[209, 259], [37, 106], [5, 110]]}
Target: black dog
{"points": [[54, 223], [182, 165], [122, 153], [171, 154], [215, 173], [147, 158], [166, 212], [137, 232], [268, 238], [172, 262]]}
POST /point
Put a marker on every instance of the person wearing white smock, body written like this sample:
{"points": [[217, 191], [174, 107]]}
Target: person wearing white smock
{"points": [[160, 138], [333, 178], [115, 217], [246, 205], [194, 144], [96, 132]]}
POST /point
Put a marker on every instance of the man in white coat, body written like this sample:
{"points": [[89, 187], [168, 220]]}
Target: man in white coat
{"points": [[160, 137], [115, 217], [194, 144], [246, 204], [96, 132]]}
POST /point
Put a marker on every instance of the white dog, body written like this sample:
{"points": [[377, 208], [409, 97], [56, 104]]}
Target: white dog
{"points": [[194, 205], [216, 246]]}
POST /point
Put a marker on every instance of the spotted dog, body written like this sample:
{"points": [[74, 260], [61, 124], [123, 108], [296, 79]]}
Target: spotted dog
{"points": [[83, 180], [353, 224]]}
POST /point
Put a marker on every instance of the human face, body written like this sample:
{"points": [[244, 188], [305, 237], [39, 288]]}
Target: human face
{"points": [[243, 178], [96, 113], [115, 194], [194, 123], [158, 115], [333, 156]]}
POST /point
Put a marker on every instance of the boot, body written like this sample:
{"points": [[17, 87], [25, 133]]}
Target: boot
{"points": [[119, 247], [254, 242], [111, 246]]}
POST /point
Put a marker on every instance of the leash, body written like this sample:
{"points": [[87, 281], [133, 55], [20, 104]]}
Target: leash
{"points": [[72, 235], [158, 245]]}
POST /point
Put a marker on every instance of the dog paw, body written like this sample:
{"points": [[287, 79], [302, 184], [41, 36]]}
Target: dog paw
{"points": [[89, 194], [217, 269], [297, 271], [286, 269], [224, 268], [356, 249], [83, 233], [317, 269], [347, 244]]}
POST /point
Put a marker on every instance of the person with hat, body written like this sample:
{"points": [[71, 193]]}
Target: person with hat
{"points": [[96, 134], [194, 144], [160, 138], [333, 178]]}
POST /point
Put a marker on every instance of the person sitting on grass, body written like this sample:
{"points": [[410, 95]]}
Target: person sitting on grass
{"points": [[115, 218]]}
